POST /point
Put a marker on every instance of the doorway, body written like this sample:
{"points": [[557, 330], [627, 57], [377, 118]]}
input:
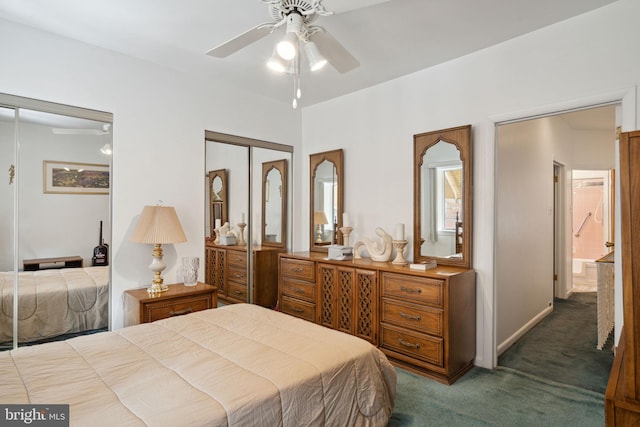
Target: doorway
{"points": [[532, 216]]}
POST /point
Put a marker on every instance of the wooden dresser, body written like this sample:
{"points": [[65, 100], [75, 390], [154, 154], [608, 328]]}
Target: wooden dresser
{"points": [[140, 307], [226, 268], [424, 321]]}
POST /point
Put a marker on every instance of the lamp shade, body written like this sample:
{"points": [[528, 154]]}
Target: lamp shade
{"points": [[158, 225], [319, 217]]}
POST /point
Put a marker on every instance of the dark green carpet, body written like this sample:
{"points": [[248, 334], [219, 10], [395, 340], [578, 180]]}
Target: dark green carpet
{"points": [[520, 391], [563, 346], [498, 397]]}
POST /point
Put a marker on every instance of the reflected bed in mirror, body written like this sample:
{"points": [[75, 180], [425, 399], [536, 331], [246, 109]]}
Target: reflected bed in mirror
{"points": [[326, 196], [442, 196], [274, 203]]}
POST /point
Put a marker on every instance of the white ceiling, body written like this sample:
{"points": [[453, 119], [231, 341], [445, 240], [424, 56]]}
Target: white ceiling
{"points": [[389, 38]]}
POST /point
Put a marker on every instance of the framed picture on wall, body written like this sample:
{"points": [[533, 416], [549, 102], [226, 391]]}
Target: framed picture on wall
{"points": [[75, 178]]}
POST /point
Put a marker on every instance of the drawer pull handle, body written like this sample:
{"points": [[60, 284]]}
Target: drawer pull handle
{"points": [[408, 344], [238, 275], [237, 292], [411, 290], [180, 312], [237, 258], [297, 310], [298, 290], [410, 317], [297, 270]]}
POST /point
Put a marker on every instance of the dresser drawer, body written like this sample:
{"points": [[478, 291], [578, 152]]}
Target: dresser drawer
{"points": [[237, 274], [301, 309], [420, 318], [237, 292], [413, 344], [175, 307], [420, 290], [237, 258], [298, 269], [298, 289]]}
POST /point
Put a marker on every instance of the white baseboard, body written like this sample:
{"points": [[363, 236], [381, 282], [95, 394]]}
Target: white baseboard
{"points": [[502, 347]]}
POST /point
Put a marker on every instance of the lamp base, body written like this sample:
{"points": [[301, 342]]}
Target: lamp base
{"points": [[157, 289]]}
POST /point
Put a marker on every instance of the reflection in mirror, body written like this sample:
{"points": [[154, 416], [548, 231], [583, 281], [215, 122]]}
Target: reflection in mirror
{"points": [[61, 166], [274, 199], [326, 199], [441, 202], [442, 196], [218, 213]]}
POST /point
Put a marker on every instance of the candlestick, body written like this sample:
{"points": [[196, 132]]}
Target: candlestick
{"points": [[399, 232], [346, 220], [345, 234], [241, 226], [399, 245]]}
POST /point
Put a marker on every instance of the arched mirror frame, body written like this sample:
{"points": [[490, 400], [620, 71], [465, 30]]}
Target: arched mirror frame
{"points": [[222, 174], [280, 166], [461, 138], [337, 158]]}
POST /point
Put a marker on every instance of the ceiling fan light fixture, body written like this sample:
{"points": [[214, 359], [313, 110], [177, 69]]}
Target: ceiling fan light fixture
{"points": [[287, 48], [276, 63], [315, 58]]}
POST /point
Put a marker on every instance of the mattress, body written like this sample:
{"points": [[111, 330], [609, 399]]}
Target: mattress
{"points": [[54, 302], [238, 365]]}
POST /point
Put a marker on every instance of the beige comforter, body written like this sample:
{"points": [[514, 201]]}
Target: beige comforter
{"points": [[54, 302], [238, 365]]}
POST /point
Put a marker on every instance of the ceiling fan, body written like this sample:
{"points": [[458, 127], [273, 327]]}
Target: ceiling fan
{"points": [[296, 16], [106, 130]]}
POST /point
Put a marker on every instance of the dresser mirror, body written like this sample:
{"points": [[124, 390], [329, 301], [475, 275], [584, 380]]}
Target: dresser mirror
{"points": [[326, 197], [218, 214], [274, 203], [442, 197]]}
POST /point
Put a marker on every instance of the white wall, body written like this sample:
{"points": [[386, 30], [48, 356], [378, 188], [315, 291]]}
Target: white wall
{"points": [[158, 135], [590, 58]]}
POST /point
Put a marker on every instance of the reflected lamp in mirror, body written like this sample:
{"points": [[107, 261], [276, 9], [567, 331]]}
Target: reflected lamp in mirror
{"points": [[319, 220], [158, 225]]}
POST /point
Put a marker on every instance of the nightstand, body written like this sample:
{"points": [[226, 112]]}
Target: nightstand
{"points": [[140, 307]]}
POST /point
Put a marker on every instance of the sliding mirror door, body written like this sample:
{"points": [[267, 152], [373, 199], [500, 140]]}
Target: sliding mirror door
{"points": [[8, 193], [58, 261], [237, 259]]}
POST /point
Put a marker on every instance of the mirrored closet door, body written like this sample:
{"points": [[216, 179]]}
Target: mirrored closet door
{"points": [[243, 186], [54, 232]]}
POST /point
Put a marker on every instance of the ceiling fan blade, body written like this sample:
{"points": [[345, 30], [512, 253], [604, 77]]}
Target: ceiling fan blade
{"points": [[71, 131], [243, 40], [334, 52], [341, 6]]}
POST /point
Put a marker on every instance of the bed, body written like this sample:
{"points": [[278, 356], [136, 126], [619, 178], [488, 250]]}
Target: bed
{"points": [[237, 365], [54, 302]]}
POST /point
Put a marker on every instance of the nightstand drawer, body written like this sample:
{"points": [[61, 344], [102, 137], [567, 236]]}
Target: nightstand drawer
{"points": [[301, 309], [421, 346], [420, 290], [175, 307], [298, 289], [298, 269], [417, 317]]}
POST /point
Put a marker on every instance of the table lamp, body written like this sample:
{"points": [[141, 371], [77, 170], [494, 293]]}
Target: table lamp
{"points": [[319, 219], [158, 225]]}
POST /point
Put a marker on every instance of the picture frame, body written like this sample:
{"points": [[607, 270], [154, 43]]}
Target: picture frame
{"points": [[75, 178]]}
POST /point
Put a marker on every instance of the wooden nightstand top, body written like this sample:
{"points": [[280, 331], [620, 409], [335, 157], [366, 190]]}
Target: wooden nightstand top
{"points": [[140, 307], [175, 290]]}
